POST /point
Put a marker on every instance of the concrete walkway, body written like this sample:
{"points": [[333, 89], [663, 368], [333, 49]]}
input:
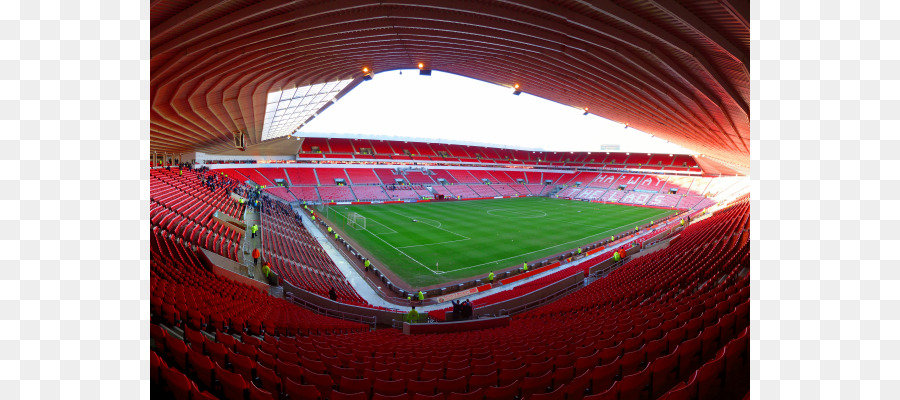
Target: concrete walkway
{"points": [[247, 244]]}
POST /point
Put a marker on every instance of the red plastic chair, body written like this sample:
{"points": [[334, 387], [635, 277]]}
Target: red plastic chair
{"points": [[268, 379], [259, 394], [537, 384], [457, 385], [297, 391], [425, 387], [611, 393], [203, 368], [684, 391], [388, 387], [483, 381], [603, 376], [711, 377], [665, 373], [502, 392], [477, 394], [178, 384], [558, 394], [635, 386], [336, 395], [351, 385], [233, 385], [178, 352]]}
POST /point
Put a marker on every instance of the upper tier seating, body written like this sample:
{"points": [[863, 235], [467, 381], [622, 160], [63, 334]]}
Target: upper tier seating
{"points": [[605, 180], [682, 183], [440, 173], [584, 177], [638, 159], [271, 174], [387, 176], [362, 176], [480, 175], [341, 145], [309, 143], [327, 176], [463, 176], [501, 177], [418, 178], [653, 183], [302, 176], [629, 180]]}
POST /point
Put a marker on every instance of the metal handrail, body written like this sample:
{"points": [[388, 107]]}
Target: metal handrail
{"points": [[365, 319], [539, 302]]}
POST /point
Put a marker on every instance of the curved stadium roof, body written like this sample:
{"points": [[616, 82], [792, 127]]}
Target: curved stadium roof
{"points": [[676, 69]]}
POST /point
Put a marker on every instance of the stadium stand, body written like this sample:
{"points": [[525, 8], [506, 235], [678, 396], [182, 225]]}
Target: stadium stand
{"points": [[361, 176], [401, 193], [370, 193], [440, 173], [336, 193], [418, 178], [463, 176], [302, 176], [566, 193], [664, 322], [298, 258], [591, 194], [387, 176], [305, 193], [180, 205], [330, 176], [484, 190], [463, 191]]}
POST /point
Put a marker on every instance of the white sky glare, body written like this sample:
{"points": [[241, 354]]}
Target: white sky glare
{"points": [[450, 108]]}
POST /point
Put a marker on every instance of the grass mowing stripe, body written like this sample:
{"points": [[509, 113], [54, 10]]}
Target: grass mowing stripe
{"points": [[533, 226]]}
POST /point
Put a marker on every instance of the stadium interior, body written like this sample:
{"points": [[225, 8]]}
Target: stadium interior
{"points": [[265, 282]]}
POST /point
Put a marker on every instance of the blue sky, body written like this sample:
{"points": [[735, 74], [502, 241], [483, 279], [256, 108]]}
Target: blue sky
{"points": [[447, 107]]}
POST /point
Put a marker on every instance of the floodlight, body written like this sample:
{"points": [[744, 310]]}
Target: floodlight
{"points": [[516, 90]]}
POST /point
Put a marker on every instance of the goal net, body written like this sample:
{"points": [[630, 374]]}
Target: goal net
{"points": [[354, 220]]}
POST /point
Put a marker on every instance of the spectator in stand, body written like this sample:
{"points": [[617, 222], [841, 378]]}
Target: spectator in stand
{"points": [[413, 316], [457, 309], [466, 310], [256, 255], [332, 294]]}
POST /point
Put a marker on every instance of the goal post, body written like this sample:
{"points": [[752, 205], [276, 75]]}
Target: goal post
{"points": [[354, 220]]}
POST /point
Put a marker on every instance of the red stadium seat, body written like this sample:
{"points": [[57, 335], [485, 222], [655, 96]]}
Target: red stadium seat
{"points": [[179, 384], [259, 394]]}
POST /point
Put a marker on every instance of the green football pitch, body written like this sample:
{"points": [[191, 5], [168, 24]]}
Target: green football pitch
{"points": [[459, 239]]}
